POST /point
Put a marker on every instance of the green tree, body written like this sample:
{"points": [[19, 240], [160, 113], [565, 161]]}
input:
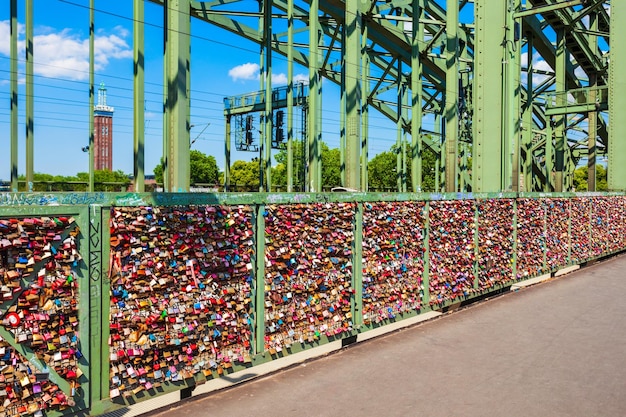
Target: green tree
{"points": [[382, 170], [158, 171], [202, 169], [331, 167], [245, 175], [331, 171], [581, 174], [48, 182], [105, 180]]}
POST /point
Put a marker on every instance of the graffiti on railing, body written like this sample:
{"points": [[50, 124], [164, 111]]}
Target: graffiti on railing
{"points": [[39, 199]]}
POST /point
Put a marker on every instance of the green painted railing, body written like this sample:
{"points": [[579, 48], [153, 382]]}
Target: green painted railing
{"points": [[110, 299]]}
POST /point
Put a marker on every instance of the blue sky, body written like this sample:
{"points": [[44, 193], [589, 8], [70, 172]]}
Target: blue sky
{"points": [[222, 65]]}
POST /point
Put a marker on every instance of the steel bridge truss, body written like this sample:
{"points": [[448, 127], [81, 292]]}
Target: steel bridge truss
{"points": [[526, 89]]}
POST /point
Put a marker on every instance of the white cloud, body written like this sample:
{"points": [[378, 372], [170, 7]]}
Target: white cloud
{"points": [[5, 37], [244, 72], [63, 54], [301, 78], [250, 71], [539, 64], [279, 79]]}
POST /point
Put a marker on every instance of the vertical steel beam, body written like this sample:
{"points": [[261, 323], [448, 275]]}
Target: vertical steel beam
{"points": [[177, 55], [405, 106], [452, 93], [417, 38], [139, 96], [342, 114], [30, 98], [352, 70], [511, 116], [314, 108], [227, 142], [440, 163], [592, 129], [266, 76], [617, 98], [166, 136], [463, 168], [560, 120], [489, 41], [290, 96], [365, 68], [592, 116], [527, 117], [92, 143], [399, 102], [13, 82], [549, 158]]}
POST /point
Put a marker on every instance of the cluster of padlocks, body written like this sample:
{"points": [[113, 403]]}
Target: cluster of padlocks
{"points": [[187, 302], [40, 346], [308, 273], [180, 294], [393, 259]]}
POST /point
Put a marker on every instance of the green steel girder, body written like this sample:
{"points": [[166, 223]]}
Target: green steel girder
{"points": [[432, 73], [546, 49], [389, 43], [617, 99], [577, 43]]}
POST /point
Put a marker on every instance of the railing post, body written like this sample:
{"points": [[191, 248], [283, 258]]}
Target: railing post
{"points": [[544, 235], [569, 231], [476, 249], [357, 268], [259, 280], [515, 220], [426, 272]]}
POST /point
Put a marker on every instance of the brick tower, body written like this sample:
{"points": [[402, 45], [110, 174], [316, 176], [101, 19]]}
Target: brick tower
{"points": [[103, 132]]}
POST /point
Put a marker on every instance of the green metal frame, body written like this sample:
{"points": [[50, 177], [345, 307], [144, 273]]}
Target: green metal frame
{"points": [[617, 99], [378, 43], [89, 307]]}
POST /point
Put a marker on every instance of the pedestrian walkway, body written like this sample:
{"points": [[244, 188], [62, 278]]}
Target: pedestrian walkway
{"points": [[554, 349]]}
